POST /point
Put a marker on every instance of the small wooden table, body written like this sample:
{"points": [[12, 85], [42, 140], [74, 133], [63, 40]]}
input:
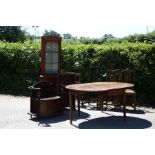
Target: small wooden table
{"points": [[101, 88]]}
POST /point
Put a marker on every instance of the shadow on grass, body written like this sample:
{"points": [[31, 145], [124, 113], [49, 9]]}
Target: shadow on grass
{"points": [[115, 122]]}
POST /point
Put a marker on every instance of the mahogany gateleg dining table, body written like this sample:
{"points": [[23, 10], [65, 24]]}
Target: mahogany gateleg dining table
{"points": [[102, 89]]}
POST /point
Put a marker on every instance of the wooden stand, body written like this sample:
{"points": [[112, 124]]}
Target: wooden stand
{"points": [[60, 81], [43, 101], [44, 106]]}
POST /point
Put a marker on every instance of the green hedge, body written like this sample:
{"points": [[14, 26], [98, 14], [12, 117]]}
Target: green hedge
{"points": [[19, 64], [92, 61]]}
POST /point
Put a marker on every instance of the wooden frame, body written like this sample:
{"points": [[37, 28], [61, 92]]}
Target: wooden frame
{"points": [[44, 40], [59, 80], [43, 101], [101, 88]]}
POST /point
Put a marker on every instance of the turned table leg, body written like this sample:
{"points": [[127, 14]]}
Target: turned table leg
{"points": [[124, 105], [70, 105]]}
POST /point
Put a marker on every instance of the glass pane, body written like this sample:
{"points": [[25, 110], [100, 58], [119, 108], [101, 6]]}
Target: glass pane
{"points": [[55, 58], [49, 47], [54, 47], [48, 58], [51, 58], [48, 68], [54, 68]]}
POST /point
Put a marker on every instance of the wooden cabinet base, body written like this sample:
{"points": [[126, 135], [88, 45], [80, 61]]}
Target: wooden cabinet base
{"points": [[46, 107]]}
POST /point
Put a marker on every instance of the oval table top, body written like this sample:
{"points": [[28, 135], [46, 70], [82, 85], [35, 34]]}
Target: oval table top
{"points": [[99, 86]]}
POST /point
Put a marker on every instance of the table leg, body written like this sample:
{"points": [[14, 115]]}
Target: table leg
{"points": [[124, 105], [78, 101], [70, 109], [101, 102]]}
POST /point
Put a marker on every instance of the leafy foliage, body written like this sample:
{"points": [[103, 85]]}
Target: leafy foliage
{"points": [[67, 36], [108, 38], [92, 61], [104, 39], [12, 34], [51, 32], [147, 38], [19, 64]]}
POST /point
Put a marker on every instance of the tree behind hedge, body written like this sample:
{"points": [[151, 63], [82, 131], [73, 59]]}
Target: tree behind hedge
{"points": [[12, 34]]}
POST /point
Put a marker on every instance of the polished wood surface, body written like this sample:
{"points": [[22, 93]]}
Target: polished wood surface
{"points": [[44, 102], [101, 88]]}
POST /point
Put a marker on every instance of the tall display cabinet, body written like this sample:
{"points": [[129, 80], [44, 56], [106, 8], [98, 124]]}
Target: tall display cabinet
{"points": [[51, 66]]}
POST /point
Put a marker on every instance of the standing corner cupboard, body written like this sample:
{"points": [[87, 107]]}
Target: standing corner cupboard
{"points": [[51, 67]]}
